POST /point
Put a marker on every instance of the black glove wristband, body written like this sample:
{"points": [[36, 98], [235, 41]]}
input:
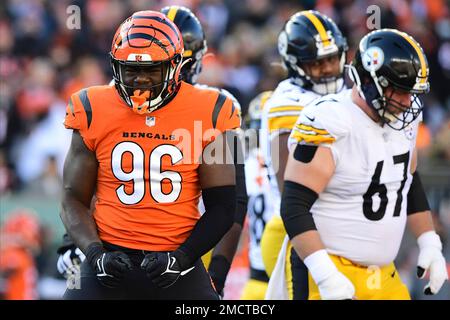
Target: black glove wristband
{"points": [[184, 260], [93, 252]]}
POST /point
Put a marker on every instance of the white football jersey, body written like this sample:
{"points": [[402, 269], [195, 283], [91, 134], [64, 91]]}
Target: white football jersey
{"points": [[281, 112], [259, 206], [361, 214]]}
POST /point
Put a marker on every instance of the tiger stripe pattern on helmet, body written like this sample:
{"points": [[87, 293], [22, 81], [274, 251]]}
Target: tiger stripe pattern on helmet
{"points": [[137, 34]]}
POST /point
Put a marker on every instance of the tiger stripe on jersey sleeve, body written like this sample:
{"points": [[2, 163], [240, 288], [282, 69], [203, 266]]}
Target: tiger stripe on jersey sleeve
{"points": [[283, 118], [79, 115], [307, 134], [86, 103], [220, 102], [229, 117]]}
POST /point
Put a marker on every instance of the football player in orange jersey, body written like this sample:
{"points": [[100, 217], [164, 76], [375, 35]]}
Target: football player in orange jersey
{"points": [[142, 147], [219, 261], [195, 47]]}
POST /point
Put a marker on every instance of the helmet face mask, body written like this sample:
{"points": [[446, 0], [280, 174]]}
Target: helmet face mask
{"points": [[388, 63], [324, 81], [145, 96], [146, 59], [397, 114], [310, 37], [193, 66]]}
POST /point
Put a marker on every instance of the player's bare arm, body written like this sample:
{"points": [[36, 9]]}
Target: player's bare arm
{"points": [[80, 174], [420, 223], [308, 171], [225, 250], [315, 176], [279, 154], [217, 182]]}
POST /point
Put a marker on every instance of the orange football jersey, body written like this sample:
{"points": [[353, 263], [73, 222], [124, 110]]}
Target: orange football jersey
{"points": [[148, 185]]}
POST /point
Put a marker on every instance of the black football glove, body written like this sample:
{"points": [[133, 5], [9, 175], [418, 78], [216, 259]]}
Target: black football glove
{"points": [[164, 268], [109, 266]]}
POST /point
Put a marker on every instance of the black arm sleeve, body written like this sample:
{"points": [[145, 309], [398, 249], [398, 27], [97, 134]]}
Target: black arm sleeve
{"points": [[417, 199], [225, 249], [241, 195], [220, 204], [296, 204], [234, 140]]}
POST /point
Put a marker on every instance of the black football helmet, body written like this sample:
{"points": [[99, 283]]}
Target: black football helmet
{"points": [[390, 58], [309, 36], [194, 40]]}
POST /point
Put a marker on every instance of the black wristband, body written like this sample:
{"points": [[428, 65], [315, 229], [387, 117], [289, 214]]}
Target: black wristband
{"points": [[184, 259], [218, 269], [417, 199], [93, 251], [296, 204]]}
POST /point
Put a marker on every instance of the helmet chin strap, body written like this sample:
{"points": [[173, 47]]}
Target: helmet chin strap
{"points": [[384, 114]]}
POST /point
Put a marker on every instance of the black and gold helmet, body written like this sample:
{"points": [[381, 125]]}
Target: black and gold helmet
{"points": [[390, 58], [193, 37], [310, 36]]}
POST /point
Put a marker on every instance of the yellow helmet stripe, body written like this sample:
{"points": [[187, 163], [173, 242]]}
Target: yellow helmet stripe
{"points": [[172, 12], [423, 65], [319, 27]]}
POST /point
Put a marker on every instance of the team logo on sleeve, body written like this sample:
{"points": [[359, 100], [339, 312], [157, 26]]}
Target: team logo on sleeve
{"points": [[373, 59]]}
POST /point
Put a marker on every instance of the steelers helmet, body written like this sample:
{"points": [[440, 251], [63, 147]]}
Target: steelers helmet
{"points": [[309, 36], [390, 58], [194, 40], [147, 39]]}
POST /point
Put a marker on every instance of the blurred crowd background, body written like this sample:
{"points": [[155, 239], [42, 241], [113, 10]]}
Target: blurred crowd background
{"points": [[43, 60]]}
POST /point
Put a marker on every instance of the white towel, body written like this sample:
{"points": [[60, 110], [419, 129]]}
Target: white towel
{"points": [[277, 288]]}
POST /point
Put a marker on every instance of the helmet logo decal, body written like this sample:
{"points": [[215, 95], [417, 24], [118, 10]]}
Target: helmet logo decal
{"points": [[422, 83], [372, 59], [139, 57], [325, 46]]}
